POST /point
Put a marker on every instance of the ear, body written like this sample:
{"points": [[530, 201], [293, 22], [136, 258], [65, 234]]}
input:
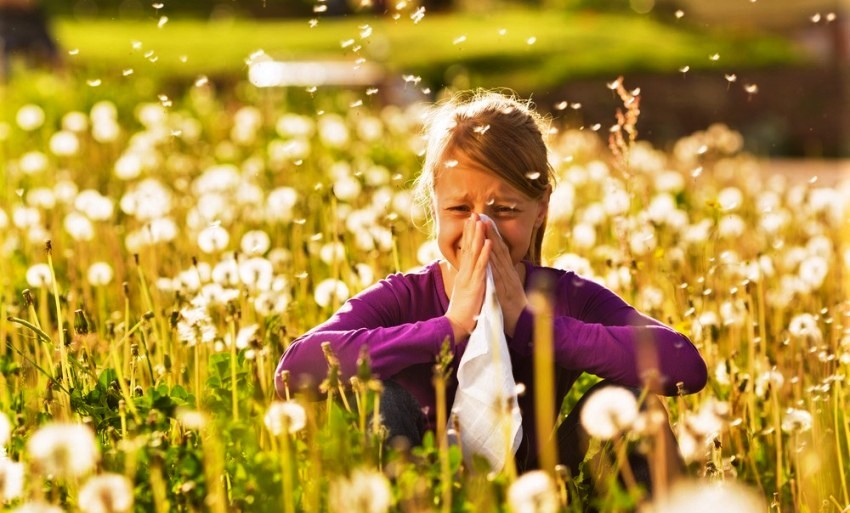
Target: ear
{"points": [[543, 207]]}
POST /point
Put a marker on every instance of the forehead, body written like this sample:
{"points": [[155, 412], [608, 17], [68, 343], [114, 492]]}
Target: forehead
{"points": [[461, 178]]}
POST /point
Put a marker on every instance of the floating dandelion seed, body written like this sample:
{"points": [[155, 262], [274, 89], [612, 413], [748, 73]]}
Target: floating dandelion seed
{"points": [[355, 104], [412, 79], [365, 31], [450, 163], [162, 21], [106, 493], [346, 43], [684, 69], [815, 18], [696, 172], [751, 88], [136, 45], [503, 31], [74, 51], [202, 81], [313, 22], [127, 72], [731, 77], [561, 105], [679, 13], [94, 82], [830, 17], [596, 127], [714, 57], [614, 85], [481, 129], [371, 91], [158, 6], [418, 15], [531, 40], [320, 8], [285, 413], [458, 40]]}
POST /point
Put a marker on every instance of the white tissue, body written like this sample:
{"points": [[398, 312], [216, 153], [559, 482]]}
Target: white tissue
{"points": [[486, 384]]}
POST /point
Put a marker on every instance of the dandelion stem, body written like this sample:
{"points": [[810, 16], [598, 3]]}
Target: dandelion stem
{"points": [[544, 381], [63, 351], [234, 397]]}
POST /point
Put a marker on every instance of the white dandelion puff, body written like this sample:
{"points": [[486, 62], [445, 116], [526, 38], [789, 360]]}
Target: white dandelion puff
{"points": [[608, 412], [534, 492], [285, 415], [796, 421], [255, 242], [64, 450], [364, 491], [106, 493], [38, 275], [728, 496], [329, 289], [212, 239], [100, 274], [64, 144], [30, 117]]}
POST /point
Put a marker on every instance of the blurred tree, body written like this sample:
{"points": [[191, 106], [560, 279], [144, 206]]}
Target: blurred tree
{"points": [[24, 33]]}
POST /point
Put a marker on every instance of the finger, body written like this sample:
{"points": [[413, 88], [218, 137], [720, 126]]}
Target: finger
{"points": [[478, 239]]}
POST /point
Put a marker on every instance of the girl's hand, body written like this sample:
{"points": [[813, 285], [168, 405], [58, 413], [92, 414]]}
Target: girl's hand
{"points": [[509, 287], [470, 278]]}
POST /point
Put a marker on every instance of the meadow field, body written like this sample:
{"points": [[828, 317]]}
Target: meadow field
{"points": [[158, 252]]}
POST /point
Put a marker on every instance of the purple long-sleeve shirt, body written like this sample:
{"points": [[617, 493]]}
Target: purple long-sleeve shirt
{"points": [[401, 321]]}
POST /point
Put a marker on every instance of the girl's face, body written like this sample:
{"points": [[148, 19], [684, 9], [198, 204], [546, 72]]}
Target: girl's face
{"points": [[463, 188]]}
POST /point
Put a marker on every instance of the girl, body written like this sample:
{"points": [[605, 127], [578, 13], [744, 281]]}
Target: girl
{"points": [[486, 155]]}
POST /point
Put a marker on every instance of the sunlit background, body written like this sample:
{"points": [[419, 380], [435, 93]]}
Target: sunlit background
{"points": [[215, 178]]}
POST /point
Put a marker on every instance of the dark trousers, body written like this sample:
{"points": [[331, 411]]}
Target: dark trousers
{"points": [[403, 417]]}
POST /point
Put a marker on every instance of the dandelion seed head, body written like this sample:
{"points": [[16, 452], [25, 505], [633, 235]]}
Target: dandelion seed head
{"points": [[38, 507], [796, 421], [363, 491], [190, 418], [38, 276], [608, 412], [106, 493], [5, 430], [30, 117], [534, 492], [100, 274], [729, 496], [213, 239], [288, 415], [63, 450], [328, 290], [33, 162]]}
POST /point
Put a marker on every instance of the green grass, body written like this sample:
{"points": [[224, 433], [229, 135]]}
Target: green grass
{"points": [[567, 45]]}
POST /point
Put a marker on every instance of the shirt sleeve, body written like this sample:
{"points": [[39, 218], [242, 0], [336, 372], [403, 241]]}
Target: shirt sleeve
{"points": [[375, 319], [603, 335]]}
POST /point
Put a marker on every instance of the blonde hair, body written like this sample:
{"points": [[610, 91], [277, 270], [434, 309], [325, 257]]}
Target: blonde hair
{"points": [[499, 133]]}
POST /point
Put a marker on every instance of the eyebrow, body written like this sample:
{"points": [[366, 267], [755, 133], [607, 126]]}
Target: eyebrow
{"points": [[496, 198]]}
